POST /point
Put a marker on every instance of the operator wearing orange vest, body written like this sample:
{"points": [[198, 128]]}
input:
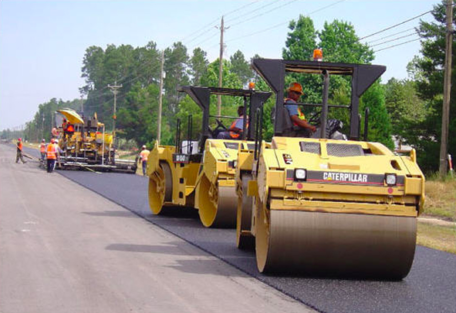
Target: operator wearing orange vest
{"points": [[236, 128], [43, 149], [297, 117], [143, 156], [19, 151], [52, 152]]}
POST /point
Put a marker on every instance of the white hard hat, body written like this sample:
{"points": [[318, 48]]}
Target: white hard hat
{"points": [[144, 146]]}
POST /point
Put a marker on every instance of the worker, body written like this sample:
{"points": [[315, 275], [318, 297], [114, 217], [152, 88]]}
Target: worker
{"points": [[43, 150], [52, 153], [143, 157], [19, 151], [236, 128], [297, 117]]}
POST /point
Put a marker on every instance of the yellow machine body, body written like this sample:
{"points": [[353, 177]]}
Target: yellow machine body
{"points": [[342, 217], [206, 184]]}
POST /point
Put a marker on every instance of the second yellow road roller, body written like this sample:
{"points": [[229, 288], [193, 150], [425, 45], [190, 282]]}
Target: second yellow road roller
{"points": [[327, 204], [200, 173]]}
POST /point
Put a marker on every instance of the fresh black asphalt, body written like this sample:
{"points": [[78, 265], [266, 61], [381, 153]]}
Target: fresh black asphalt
{"points": [[430, 286]]}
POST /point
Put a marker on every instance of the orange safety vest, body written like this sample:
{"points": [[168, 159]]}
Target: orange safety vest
{"points": [[19, 145], [235, 135], [70, 128], [144, 154], [51, 152], [43, 148], [300, 114]]}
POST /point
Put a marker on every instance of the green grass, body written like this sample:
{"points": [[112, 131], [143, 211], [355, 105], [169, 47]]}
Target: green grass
{"points": [[441, 199], [437, 237]]}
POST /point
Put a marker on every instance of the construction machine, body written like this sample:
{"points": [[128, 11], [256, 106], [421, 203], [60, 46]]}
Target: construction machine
{"points": [[88, 146], [327, 205], [200, 173]]}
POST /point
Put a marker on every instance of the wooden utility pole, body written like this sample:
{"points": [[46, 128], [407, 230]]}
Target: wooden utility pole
{"points": [[115, 90], [219, 97], [446, 90], [160, 98]]}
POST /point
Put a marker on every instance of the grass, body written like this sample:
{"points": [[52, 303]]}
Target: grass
{"points": [[437, 237], [441, 199]]}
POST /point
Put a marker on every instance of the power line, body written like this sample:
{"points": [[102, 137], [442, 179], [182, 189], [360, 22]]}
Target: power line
{"points": [[396, 25], [283, 23], [252, 11], [401, 32], [399, 44], [261, 14], [395, 39]]}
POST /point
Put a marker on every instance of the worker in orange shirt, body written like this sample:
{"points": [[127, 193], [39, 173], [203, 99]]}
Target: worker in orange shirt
{"points": [[143, 157], [19, 151], [52, 153], [43, 150]]}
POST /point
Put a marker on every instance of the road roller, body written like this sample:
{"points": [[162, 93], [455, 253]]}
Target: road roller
{"points": [[200, 173], [333, 204]]}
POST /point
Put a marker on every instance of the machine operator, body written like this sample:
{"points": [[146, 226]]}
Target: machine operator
{"points": [[236, 128], [297, 117]]}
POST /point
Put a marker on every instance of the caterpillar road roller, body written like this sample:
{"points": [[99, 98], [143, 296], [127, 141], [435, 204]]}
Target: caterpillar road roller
{"points": [[87, 145], [327, 205], [200, 173]]}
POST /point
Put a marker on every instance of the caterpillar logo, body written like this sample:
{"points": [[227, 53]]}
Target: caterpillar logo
{"points": [[345, 177]]}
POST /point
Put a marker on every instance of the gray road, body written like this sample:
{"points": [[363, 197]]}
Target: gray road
{"points": [[430, 287], [64, 248]]}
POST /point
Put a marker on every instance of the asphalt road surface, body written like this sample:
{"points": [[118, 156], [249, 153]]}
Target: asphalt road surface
{"points": [[64, 248], [430, 286]]}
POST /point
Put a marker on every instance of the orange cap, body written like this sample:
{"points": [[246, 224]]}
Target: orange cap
{"points": [[296, 87]]}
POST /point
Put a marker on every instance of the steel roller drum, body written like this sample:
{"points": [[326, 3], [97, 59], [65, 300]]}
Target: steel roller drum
{"points": [[219, 208], [340, 245], [160, 188]]}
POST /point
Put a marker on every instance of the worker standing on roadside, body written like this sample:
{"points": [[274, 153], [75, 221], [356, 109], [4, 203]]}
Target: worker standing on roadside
{"points": [[43, 150], [19, 151], [52, 154], [143, 156]]}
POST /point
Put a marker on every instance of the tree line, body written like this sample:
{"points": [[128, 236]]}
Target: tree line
{"points": [[409, 109]]}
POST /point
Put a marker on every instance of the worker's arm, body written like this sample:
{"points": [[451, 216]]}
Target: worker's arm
{"points": [[236, 130], [303, 123]]}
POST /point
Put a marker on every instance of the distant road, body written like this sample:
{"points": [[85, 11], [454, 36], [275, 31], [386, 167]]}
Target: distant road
{"points": [[64, 248]]}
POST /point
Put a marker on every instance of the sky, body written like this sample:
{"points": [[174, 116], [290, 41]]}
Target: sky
{"points": [[42, 42]]}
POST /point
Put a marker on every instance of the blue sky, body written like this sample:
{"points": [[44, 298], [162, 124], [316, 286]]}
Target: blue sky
{"points": [[42, 43]]}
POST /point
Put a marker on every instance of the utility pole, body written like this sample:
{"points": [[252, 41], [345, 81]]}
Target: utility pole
{"points": [[219, 97], [160, 98], [115, 90], [446, 90], [82, 105]]}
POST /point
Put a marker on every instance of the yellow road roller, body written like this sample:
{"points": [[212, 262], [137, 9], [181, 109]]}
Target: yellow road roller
{"points": [[327, 205], [200, 173]]}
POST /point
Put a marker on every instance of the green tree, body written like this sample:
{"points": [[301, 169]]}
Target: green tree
{"points": [[198, 65], [428, 72], [404, 106], [241, 67]]}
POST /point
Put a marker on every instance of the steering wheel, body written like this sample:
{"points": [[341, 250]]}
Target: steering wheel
{"points": [[218, 129], [315, 118]]}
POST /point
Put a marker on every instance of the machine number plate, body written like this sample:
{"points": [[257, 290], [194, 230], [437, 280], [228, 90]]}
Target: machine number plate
{"points": [[181, 158]]}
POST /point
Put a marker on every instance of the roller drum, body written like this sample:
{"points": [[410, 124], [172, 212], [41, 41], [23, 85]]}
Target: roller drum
{"points": [[244, 237], [330, 244], [160, 188], [217, 205]]}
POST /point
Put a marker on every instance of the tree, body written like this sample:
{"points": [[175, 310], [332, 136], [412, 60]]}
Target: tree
{"points": [[404, 106], [428, 70], [340, 43], [198, 65], [241, 67]]}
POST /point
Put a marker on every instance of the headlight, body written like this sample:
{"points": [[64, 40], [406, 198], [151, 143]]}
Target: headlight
{"points": [[391, 179], [300, 174]]}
